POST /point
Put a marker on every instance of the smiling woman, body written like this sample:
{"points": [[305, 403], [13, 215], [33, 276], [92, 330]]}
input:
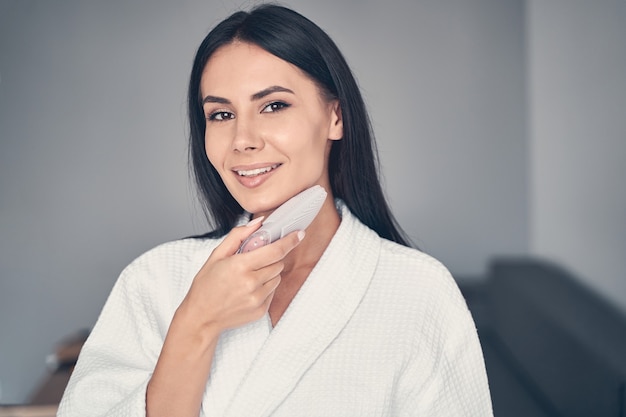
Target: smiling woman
{"points": [[344, 318], [271, 135]]}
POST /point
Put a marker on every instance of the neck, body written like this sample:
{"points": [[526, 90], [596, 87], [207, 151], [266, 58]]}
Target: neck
{"points": [[301, 261], [318, 236]]}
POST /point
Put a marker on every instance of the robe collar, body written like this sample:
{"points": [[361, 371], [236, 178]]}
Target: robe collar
{"points": [[266, 364]]}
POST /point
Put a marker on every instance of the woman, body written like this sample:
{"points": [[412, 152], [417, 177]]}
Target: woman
{"points": [[342, 319]]}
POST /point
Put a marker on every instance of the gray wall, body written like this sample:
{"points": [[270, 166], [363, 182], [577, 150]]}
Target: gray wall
{"points": [[93, 155], [577, 96]]}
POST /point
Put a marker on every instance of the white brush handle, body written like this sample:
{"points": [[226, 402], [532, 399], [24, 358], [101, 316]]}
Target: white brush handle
{"points": [[297, 213]]}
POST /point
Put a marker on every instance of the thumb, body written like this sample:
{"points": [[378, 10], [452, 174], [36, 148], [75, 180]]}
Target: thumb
{"points": [[235, 238]]}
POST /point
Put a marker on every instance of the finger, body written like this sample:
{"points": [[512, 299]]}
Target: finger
{"points": [[274, 252], [235, 238], [270, 289], [258, 302], [273, 283], [266, 274]]}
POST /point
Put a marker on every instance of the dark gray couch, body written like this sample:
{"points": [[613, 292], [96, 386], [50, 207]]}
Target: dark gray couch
{"points": [[552, 347]]}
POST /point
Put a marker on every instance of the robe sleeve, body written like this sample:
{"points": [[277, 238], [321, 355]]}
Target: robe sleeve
{"points": [[118, 359], [447, 376]]}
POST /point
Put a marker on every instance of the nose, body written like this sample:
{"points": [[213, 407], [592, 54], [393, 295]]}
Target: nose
{"points": [[246, 137]]}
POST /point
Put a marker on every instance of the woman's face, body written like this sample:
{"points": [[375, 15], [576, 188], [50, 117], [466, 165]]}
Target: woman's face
{"points": [[268, 128]]}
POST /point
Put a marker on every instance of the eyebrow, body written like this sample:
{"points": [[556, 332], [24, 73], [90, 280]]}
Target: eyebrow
{"points": [[270, 90], [256, 96]]}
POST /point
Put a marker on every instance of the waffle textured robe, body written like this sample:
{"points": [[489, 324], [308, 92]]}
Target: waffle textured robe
{"points": [[377, 329]]}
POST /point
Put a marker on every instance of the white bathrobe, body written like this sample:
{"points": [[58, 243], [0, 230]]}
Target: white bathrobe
{"points": [[377, 329]]}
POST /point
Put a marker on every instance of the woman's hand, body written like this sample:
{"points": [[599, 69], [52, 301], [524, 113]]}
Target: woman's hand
{"points": [[233, 289], [230, 290]]}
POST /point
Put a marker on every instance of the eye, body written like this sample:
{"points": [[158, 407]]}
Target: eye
{"points": [[220, 116], [274, 106]]}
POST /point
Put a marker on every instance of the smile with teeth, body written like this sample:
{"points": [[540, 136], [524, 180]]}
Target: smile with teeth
{"points": [[257, 171]]}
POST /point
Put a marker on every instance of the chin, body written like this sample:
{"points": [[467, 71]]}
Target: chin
{"points": [[267, 198], [260, 205]]}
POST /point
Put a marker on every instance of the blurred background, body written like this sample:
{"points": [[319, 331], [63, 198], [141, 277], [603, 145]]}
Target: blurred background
{"points": [[501, 127]]}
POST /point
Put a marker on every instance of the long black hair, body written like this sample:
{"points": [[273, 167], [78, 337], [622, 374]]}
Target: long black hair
{"points": [[353, 163]]}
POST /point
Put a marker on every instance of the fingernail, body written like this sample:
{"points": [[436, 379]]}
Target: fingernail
{"points": [[301, 235], [255, 221]]}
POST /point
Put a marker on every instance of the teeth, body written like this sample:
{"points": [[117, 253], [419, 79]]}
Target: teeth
{"points": [[254, 172]]}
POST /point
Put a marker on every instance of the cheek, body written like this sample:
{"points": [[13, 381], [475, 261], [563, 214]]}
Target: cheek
{"points": [[213, 153], [207, 150], [212, 146], [313, 158], [315, 150]]}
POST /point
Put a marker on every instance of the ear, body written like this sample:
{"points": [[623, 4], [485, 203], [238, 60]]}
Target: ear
{"points": [[335, 129]]}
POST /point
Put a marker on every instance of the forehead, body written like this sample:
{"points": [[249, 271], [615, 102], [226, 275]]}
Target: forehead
{"points": [[246, 67]]}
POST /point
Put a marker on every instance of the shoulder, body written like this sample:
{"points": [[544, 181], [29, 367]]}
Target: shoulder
{"points": [[414, 267], [399, 267], [170, 265], [421, 289], [175, 253]]}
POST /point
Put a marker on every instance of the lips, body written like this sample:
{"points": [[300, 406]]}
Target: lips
{"points": [[254, 175], [255, 171]]}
